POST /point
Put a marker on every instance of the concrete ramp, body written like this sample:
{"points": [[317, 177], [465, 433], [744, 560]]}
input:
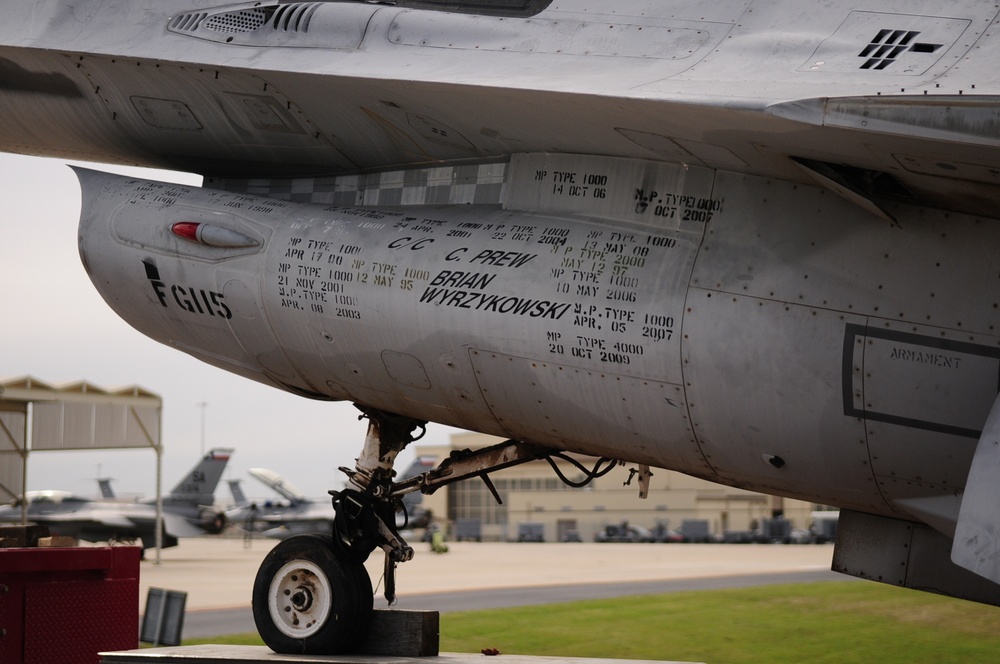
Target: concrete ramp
{"points": [[212, 654]]}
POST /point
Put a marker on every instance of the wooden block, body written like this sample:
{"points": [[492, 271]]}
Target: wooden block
{"points": [[402, 634], [57, 541], [20, 536]]}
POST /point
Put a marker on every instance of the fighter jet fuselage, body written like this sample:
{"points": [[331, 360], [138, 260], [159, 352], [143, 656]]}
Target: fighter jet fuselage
{"points": [[752, 242], [779, 343]]}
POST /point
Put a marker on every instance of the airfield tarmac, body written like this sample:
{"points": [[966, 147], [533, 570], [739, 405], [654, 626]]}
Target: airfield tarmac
{"points": [[217, 574]]}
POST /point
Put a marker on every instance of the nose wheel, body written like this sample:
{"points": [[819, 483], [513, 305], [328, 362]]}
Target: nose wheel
{"points": [[309, 600]]}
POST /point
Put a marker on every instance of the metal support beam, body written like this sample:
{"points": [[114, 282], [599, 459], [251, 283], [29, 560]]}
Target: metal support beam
{"points": [[465, 464]]}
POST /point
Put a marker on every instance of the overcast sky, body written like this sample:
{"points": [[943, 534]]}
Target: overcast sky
{"points": [[56, 327]]}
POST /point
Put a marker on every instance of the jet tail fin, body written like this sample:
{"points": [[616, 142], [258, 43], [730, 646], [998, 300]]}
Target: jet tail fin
{"points": [[198, 486], [239, 498], [105, 484]]}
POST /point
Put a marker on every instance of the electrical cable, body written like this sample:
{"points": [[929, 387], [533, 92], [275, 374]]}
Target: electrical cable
{"points": [[589, 475]]}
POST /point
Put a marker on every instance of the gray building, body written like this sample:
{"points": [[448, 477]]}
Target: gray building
{"points": [[533, 494]]}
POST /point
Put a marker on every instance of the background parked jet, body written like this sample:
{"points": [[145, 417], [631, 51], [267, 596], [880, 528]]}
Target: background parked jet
{"points": [[295, 514], [187, 510]]}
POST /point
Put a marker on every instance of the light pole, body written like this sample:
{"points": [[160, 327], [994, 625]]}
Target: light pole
{"points": [[202, 405]]}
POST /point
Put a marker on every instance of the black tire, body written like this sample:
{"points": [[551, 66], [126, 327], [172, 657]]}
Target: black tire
{"points": [[306, 600], [366, 599]]}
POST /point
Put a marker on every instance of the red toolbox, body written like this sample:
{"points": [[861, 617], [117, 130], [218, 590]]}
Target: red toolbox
{"points": [[63, 605]]}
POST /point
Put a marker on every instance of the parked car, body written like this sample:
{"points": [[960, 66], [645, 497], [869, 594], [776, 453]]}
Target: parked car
{"points": [[530, 532], [623, 533], [468, 529], [662, 533], [671, 536], [696, 530]]}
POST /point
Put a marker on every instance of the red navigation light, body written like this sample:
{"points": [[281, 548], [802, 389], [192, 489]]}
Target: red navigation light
{"points": [[212, 235], [186, 229]]}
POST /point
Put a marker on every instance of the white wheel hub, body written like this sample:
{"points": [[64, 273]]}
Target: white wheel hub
{"points": [[300, 599]]}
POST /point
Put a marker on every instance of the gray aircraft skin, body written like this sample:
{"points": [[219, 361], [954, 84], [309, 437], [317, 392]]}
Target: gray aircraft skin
{"points": [[187, 510], [751, 241]]}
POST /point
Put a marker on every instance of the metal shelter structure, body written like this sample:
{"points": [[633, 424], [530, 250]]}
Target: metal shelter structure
{"points": [[38, 416]]}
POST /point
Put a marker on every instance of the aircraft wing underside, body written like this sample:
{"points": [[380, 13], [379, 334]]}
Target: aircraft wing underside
{"points": [[908, 148], [234, 90]]}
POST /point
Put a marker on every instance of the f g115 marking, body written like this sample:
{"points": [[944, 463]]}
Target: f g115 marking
{"points": [[196, 301]]}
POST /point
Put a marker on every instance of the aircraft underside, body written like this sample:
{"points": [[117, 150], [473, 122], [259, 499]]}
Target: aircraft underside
{"points": [[752, 242], [754, 332]]}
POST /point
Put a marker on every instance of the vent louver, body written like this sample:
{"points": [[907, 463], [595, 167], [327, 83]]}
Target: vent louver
{"points": [[295, 17], [187, 22], [246, 20], [248, 26], [888, 45], [327, 25]]}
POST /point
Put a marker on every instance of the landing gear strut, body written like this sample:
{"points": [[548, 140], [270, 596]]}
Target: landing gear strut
{"points": [[366, 516], [312, 594]]}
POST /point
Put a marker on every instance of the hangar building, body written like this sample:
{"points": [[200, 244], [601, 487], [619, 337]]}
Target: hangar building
{"points": [[533, 494]]}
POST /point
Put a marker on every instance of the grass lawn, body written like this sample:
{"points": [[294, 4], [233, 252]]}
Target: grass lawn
{"points": [[813, 622]]}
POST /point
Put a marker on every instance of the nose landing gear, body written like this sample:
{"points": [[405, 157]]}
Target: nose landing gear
{"points": [[312, 594]]}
